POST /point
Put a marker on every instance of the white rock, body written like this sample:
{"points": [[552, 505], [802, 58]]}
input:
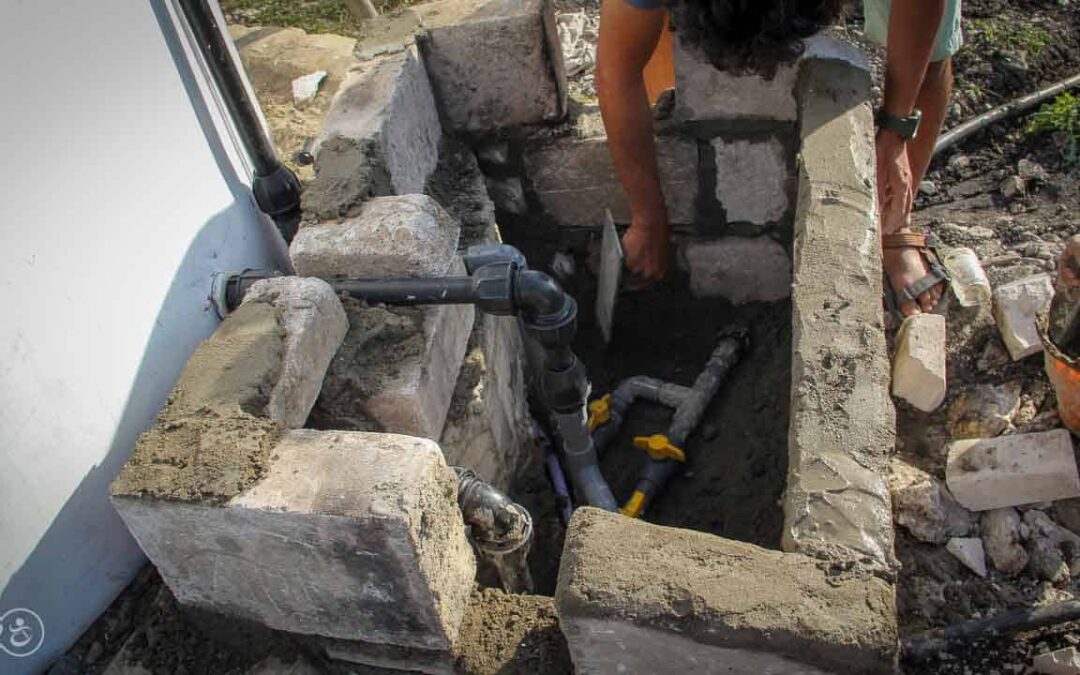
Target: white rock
{"points": [[1001, 535], [1061, 662], [918, 374], [924, 506], [1015, 308], [305, 88], [991, 473], [969, 550], [928, 188]]}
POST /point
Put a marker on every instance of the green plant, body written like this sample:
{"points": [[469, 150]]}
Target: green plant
{"points": [[1009, 36], [1060, 115]]}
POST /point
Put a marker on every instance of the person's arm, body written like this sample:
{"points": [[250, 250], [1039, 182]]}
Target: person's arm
{"points": [[913, 27], [628, 36]]}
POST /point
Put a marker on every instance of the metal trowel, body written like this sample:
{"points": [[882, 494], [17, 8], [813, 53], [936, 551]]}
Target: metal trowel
{"points": [[610, 277]]}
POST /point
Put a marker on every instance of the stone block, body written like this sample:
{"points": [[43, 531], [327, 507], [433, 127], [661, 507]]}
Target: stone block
{"points": [[969, 551], [268, 357], [1000, 529], [1015, 308], [752, 180], [486, 427], [499, 67], [918, 373], [380, 136], [383, 657], [740, 269], [400, 236], [704, 92], [837, 500], [396, 369], [574, 180], [640, 598], [355, 536], [314, 325], [992, 473]]}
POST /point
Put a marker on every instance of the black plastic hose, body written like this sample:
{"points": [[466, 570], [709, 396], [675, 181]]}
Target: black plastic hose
{"points": [[922, 645]]}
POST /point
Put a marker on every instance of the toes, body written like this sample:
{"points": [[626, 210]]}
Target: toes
{"points": [[926, 303], [910, 308]]}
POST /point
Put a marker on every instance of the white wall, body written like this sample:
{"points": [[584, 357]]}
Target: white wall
{"points": [[121, 191]]}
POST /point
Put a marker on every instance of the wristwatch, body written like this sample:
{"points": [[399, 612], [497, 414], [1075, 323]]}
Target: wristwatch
{"points": [[904, 127]]}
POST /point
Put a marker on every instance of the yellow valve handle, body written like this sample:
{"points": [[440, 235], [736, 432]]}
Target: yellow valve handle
{"points": [[599, 412], [633, 505], [659, 447]]}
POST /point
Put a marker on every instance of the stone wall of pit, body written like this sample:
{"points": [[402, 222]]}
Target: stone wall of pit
{"points": [[770, 187]]}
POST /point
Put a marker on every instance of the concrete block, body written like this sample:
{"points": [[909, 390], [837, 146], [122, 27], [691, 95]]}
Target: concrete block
{"points": [[389, 657], [268, 357], [704, 93], [402, 236], [837, 500], [574, 180], [499, 67], [752, 180], [348, 535], [487, 425], [1064, 661], [918, 373], [1015, 308], [740, 269], [640, 598], [314, 325], [380, 136], [991, 473], [397, 368]]}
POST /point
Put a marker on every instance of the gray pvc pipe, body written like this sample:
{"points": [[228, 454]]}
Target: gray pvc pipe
{"points": [[582, 463]]}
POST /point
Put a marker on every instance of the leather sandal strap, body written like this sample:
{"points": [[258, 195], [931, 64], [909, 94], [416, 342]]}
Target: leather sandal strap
{"points": [[903, 240]]}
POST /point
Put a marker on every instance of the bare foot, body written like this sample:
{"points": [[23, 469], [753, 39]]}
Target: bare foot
{"points": [[906, 266]]}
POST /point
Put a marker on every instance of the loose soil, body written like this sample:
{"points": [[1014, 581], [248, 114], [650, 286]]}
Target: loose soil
{"points": [[511, 635]]}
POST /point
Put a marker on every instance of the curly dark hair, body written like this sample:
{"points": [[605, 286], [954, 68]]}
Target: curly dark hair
{"points": [[751, 35]]}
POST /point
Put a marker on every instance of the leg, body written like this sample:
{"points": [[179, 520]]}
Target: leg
{"points": [[906, 265], [933, 101]]}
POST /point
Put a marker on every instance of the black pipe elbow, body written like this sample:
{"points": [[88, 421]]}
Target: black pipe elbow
{"points": [[538, 295]]}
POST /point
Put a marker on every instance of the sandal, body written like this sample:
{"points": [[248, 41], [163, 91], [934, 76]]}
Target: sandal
{"points": [[926, 244]]}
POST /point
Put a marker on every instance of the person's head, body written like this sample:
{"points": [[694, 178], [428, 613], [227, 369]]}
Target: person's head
{"points": [[750, 35]]}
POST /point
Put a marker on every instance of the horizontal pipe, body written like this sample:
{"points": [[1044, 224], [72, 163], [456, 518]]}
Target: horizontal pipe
{"points": [[931, 642], [441, 291]]}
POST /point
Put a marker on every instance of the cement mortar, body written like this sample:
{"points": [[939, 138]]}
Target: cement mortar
{"points": [[238, 365], [208, 456], [379, 340], [721, 593]]}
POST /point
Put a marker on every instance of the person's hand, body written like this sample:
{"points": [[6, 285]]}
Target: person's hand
{"points": [[646, 247], [895, 192], [1069, 265]]}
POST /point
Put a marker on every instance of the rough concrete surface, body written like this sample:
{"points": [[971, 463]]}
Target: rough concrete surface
{"points": [[397, 368], [842, 420], [741, 269], [918, 372], [314, 325], [703, 92], [574, 180], [397, 236], [355, 536], [499, 67], [236, 367], [628, 588], [752, 179], [207, 456], [380, 136]]}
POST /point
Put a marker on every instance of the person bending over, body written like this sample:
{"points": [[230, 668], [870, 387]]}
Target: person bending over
{"points": [[635, 64]]}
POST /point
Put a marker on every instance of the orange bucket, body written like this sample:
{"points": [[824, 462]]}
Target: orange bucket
{"points": [[1064, 374]]}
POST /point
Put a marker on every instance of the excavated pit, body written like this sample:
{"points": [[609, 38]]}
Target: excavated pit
{"points": [[736, 459]]}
